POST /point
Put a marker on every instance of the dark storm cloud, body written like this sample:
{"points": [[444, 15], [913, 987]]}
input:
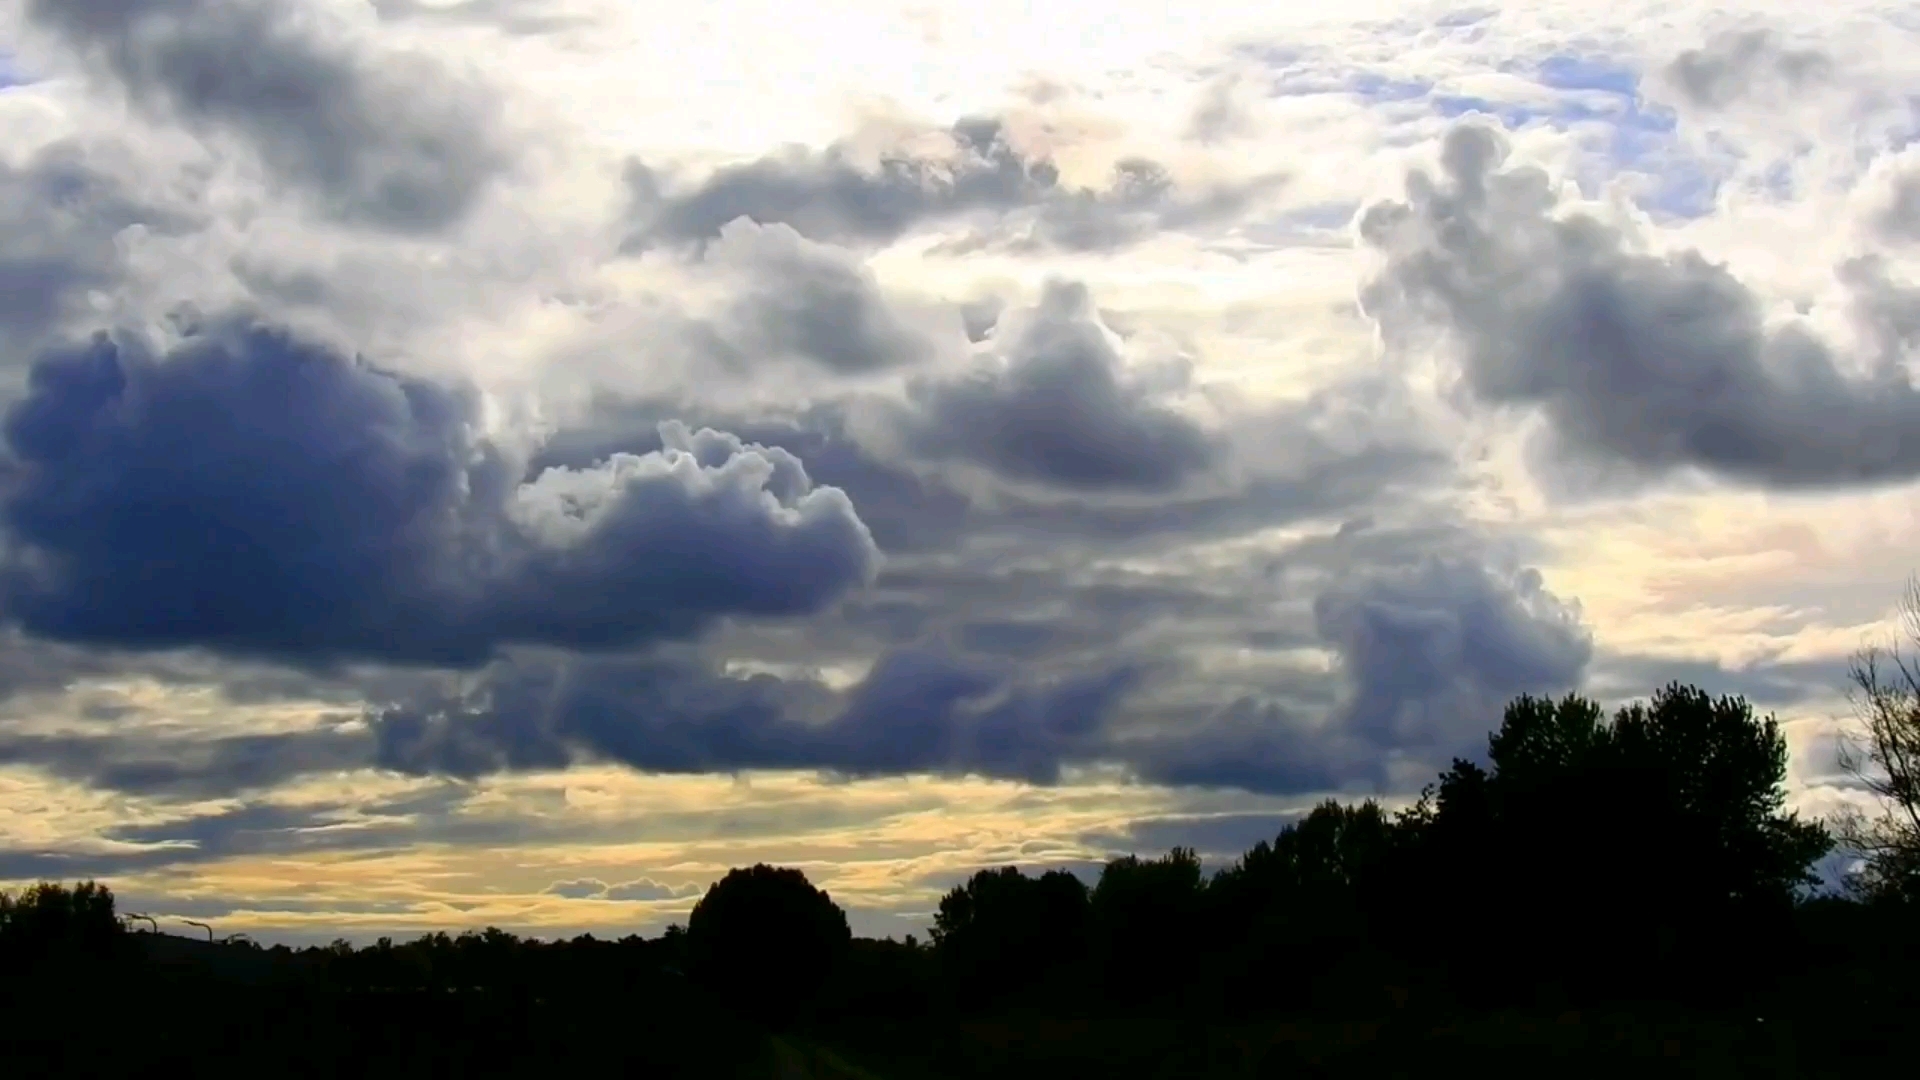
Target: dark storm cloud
{"points": [[831, 195], [1055, 407], [1653, 361], [134, 763], [59, 220], [1426, 651], [806, 300], [1429, 657], [258, 495], [1733, 65], [393, 140], [916, 711]]}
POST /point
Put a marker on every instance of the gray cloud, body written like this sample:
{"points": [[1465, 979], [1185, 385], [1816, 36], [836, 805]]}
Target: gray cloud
{"points": [[1055, 407], [1652, 361], [1735, 64], [832, 195], [1426, 658], [981, 316], [1899, 219], [258, 495], [916, 711], [388, 139], [1219, 115], [916, 512], [249, 829], [1780, 684], [129, 761], [807, 300], [1140, 201], [1429, 656], [59, 220]]}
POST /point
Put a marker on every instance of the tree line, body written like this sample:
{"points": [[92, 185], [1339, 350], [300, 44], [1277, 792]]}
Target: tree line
{"points": [[1639, 860]]}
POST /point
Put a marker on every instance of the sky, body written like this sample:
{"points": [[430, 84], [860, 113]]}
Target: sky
{"points": [[505, 462]]}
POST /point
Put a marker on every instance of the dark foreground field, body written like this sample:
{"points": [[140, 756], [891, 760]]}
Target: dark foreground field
{"points": [[182, 1008]]}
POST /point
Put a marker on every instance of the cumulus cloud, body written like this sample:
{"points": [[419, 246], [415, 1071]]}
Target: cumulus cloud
{"points": [[1337, 450], [803, 299], [1894, 216], [1428, 655], [1426, 658], [1737, 64], [253, 493], [642, 890], [1432, 654], [378, 137], [833, 195], [580, 889], [60, 220], [1657, 361], [1055, 405]]}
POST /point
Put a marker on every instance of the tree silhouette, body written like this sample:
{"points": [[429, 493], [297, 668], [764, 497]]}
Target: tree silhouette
{"points": [[57, 925], [1003, 932], [1598, 853], [765, 939], [1886, 695], [1146, 921], [1288, 912]]}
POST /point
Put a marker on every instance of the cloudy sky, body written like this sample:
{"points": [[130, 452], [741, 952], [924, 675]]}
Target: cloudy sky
{"points": [[505, 462]]}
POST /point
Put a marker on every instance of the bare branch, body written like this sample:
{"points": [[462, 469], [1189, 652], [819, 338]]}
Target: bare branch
{"points": [[1884, 759]]}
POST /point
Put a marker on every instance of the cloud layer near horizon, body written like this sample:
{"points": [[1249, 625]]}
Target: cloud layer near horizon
{"points": [[445, 459]]}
